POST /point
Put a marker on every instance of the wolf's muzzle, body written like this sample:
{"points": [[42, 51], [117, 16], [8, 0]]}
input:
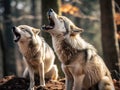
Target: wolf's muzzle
{"points": [[50, 10], [51, 24], [16, 34]]}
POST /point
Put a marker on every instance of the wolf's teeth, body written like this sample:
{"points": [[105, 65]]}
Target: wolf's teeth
{"points": [[49, 26], [43, 25]]}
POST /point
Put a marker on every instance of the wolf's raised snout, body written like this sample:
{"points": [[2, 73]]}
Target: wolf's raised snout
{"points": [[16, 34], [13, 28], [50, 10]]}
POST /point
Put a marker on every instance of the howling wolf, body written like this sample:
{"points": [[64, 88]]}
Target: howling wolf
{"points": [[83, 67], [39, 57]]}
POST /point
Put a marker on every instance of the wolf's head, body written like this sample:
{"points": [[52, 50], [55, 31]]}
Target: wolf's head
{"points": [[60, 25], [24, 33]]}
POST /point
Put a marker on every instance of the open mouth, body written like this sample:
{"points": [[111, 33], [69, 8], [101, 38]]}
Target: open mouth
{"points": [[50, 25], [16, 34]]}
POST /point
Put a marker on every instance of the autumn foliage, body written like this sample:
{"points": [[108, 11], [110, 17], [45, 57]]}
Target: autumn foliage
{"points": [[69, 8], [117, 21]]}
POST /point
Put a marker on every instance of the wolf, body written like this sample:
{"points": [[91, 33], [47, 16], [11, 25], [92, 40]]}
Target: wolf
{"points": [[38, 55], [84, 69]]}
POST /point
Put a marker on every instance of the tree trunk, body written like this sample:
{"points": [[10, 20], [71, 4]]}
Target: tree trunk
{"points": [[117, 9], [1, 52], [109, 40], [9, 63], [33, 12]]}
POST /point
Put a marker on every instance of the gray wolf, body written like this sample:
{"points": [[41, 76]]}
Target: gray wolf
{"points": [[38, 55], [84, 69]]}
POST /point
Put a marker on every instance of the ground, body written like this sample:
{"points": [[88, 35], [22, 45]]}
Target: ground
{"points": [[18, 83]]}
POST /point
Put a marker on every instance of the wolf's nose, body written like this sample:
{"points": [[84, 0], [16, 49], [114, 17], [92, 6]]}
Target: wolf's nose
{"points": [[13, 28], [50, 10]]}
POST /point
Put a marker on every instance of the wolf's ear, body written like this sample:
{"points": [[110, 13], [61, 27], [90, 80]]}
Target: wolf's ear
{"points": [[76, 30], [36, 31]]}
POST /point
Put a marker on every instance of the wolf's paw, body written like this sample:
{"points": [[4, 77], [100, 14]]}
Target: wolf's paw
{"points": [[41, 87], [31, 88]]}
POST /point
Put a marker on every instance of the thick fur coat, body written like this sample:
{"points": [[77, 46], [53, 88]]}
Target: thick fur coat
{"points": [[84, 69], [38, 55]]}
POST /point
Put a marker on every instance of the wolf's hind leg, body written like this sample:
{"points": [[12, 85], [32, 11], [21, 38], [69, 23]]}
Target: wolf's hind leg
{"points": [[106, 84]]}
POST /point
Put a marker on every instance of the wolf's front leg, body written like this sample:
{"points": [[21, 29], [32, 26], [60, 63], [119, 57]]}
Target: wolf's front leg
{"points": [[69, 83], [41, 74], [25, 73], [32, 82], [78, 82], [69, 78]]}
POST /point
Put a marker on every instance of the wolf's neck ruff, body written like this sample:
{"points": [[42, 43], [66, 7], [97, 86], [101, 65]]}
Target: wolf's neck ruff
{"points": [[67, 48], [31, 49], [72, 52]]}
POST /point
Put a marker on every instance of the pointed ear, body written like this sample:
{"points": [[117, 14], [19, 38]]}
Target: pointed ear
{"points": [[36, 31], [78, 30]]}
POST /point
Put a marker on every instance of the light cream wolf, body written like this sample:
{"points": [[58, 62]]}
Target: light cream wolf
{"points": [[39, 57], [83, 67]]}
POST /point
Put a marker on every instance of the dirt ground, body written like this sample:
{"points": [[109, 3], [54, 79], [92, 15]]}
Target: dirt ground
{"points": [[17, 83]]}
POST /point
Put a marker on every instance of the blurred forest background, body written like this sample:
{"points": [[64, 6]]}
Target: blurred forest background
{"points": [[100, 20]]}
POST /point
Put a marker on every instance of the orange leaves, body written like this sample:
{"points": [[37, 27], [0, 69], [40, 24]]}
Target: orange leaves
{"points": [[117, 18], [118, 35], [68, 8], [117, 21]]}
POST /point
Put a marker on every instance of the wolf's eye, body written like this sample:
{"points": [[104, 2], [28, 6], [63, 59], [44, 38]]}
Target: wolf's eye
{"points": [[24, 30], [71, 27], [61, 20], [21, 28]]}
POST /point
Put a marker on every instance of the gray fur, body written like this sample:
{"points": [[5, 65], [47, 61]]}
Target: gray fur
{"points": [[83, 67], [38, 55]]}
